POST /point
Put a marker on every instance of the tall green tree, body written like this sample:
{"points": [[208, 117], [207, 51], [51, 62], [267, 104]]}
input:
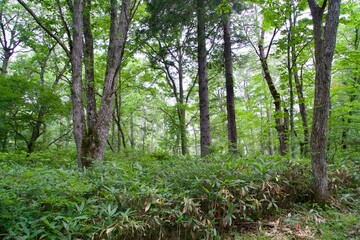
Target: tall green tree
{"points": [[166, 40], [325, 40], [226, 9]]}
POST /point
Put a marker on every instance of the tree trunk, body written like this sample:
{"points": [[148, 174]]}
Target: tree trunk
{"points": [[230, 102], [205, 137], [76, 86], [9, 38], [195, 140], [117, 119], [117, 116], [91, 142], [290, 69], [181, 108], [36, 130], [5, 62], [68, 129], [270, 133], [119, 26], [132, 131], [88, 51], [325, 39], [281, 117], [302, 108], [144, 130]]}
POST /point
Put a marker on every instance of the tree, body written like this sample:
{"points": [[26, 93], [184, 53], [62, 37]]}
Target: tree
{"points": [[230, 98], [273, 19], [91, 131], [281, 114], [10, 36], [205, 137], [324, 40], [165, 38], [296, 40]]}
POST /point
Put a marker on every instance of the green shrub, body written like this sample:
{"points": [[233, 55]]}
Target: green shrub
{"points": [[156, 196]]}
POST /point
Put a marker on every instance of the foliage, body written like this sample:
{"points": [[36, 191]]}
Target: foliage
{"points": [[158, 196], [20, 101]]}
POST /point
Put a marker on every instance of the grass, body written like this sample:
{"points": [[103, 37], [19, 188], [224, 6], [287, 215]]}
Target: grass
{"points": [[157, 196]]}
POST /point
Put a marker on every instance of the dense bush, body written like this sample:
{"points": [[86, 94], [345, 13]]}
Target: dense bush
{"points": [[156, 196]]}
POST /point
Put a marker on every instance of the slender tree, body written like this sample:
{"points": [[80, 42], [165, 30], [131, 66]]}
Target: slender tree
{"points": [[281, 114], [230, 102], [324, 39], [205, 137], [289, 65], [297, 40]]}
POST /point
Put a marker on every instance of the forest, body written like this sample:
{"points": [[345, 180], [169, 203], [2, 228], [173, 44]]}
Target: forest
{"points": [[179, 119]]}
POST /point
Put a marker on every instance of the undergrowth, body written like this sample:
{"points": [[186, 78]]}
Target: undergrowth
{"points": [[157, 196]]}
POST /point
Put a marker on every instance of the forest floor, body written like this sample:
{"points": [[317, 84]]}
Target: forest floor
{"points": [[158, 196]]}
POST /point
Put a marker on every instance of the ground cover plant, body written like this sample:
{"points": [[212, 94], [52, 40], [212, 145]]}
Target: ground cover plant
{"points": [[158, 196]]}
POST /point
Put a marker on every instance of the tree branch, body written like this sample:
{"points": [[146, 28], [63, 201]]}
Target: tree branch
{"points": [[60, 137], [42, 25], [64, 23], [171, 118], [276, 30], [313, 4], [323, 6], [190, 89]]}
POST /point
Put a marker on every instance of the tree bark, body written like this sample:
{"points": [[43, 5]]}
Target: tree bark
{"points": [[230, 102], [119, 27], [325, 39], [205, 136], [76, 85], [5, 62], [91, 135]]}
